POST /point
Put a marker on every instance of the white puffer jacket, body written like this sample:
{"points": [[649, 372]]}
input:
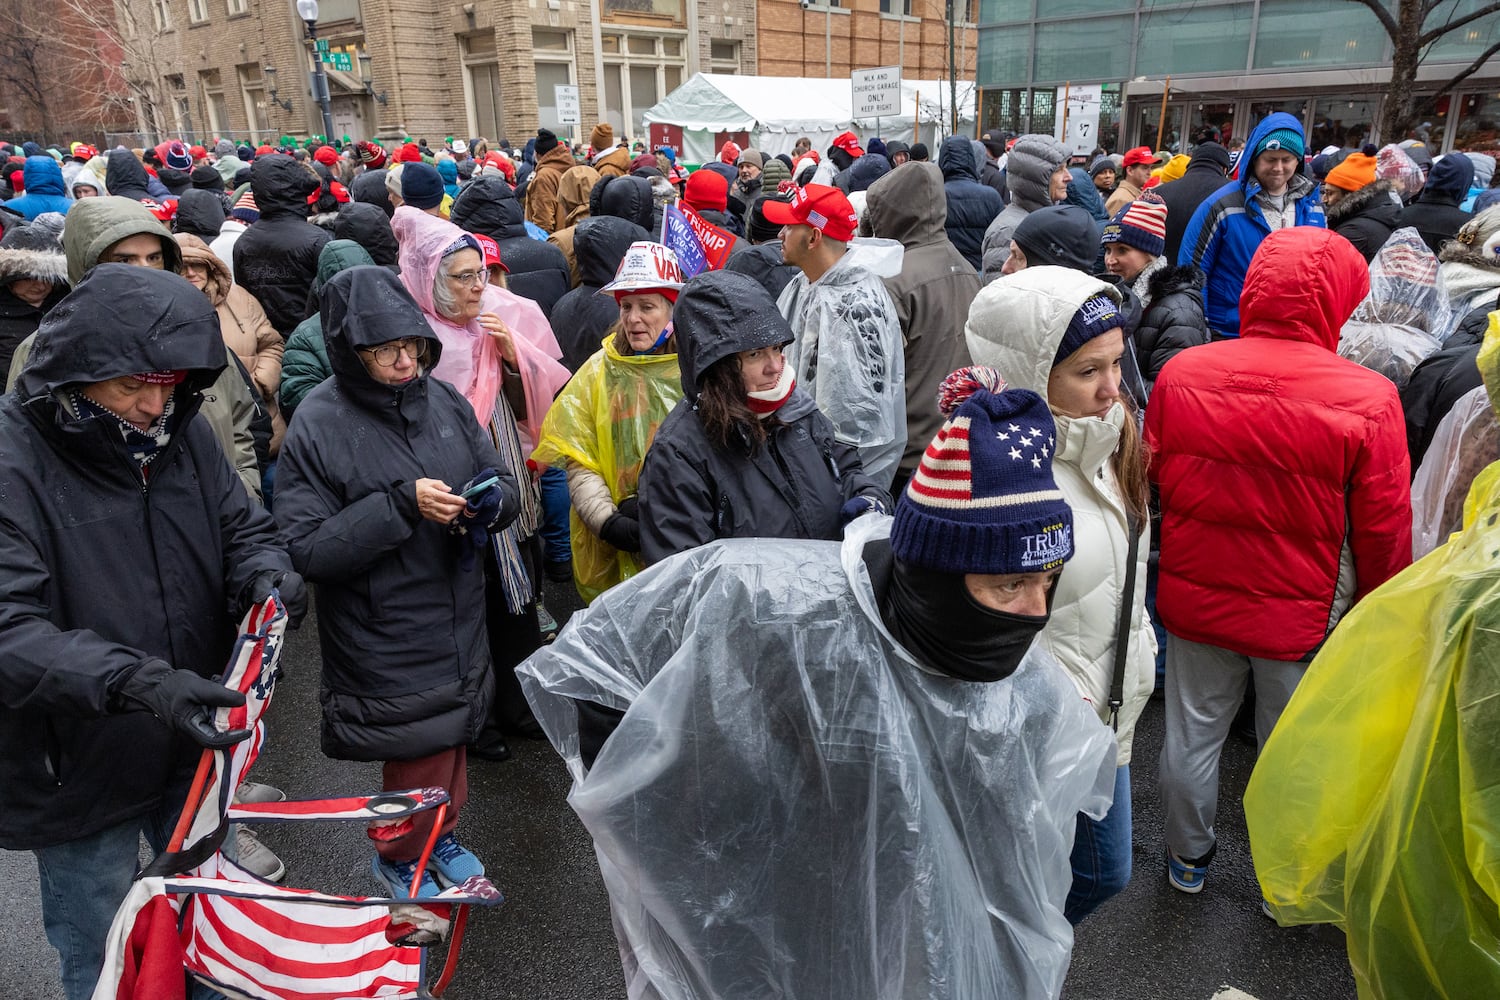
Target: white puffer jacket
{"points": [[1015, 326]]}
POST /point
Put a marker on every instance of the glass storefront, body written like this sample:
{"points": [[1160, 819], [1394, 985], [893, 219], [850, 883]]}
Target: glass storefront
{"points": [[1478, 124], [1340, 120]]}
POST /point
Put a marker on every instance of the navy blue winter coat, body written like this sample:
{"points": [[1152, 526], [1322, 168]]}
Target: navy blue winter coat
{"points": [[971, 205]]}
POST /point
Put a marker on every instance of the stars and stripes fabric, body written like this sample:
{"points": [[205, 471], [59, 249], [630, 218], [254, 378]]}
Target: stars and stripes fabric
{"points": [[983, 499], [194, 910]]}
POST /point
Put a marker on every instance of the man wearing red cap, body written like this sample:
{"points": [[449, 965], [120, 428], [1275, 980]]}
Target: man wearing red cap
{"points": [[1138, 163], [846, 328]]}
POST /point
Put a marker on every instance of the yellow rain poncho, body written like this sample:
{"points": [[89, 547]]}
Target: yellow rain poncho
{"points": [[604, 420], [1376, 802]]}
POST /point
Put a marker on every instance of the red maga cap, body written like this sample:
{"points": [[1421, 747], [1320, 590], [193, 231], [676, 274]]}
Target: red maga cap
{"points": [[161, 378], [491, 251], [824, 208]]}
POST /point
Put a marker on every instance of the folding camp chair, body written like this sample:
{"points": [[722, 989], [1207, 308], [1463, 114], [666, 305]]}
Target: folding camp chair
{"points": [[194, 909]]}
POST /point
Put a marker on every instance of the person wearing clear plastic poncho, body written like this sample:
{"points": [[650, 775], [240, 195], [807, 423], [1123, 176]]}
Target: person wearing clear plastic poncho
{"points": [[602, 422], [824, 770], [1373, 805]]}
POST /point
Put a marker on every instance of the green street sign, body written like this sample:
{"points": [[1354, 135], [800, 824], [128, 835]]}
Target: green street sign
{"points": [[342, 60], [321, 44]]}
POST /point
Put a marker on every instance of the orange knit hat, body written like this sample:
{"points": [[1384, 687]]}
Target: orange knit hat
{"points": [[1357, 171]]}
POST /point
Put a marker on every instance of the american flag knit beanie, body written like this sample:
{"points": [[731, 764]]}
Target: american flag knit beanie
{"points": [[983, 499]]}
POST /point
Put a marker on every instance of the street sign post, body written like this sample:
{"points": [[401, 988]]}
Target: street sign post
{"points": [[566, 96], [876, 93], [342, 61]]}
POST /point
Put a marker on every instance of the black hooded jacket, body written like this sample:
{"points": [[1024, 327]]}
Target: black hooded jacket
{"points": [[1173, 321], [1435, 214], [583, 316], [200, 213], [627, 197], [125, 176], [537, 270], [406, 660], [277, 258], [971, 205], [1205, 174], [1442, 379], [369, 188], [104, 569], [792, 486], [368, 226], [763, 262]]}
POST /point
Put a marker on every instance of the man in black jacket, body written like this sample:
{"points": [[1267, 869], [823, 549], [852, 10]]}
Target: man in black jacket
{"points": [[1205, 174], [538, 271], [1435, 214], [277, 258], [127, 552]]}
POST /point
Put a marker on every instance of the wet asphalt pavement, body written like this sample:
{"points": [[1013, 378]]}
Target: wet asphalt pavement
{"points": [[552, 938]]}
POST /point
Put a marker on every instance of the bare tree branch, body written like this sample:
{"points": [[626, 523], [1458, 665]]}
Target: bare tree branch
{"points": [[1470, 70], [1384, 16], [1428, 37]]}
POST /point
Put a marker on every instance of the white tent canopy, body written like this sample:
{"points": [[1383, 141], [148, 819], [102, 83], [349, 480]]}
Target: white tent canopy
{"points": [[778, 110]]}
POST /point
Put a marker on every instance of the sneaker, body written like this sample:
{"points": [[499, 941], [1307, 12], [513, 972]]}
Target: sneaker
{"points": [[255, 857], [253, 793], [396, 876], [454, 862], [1265, 908], [546, 624], [1184, 877]]}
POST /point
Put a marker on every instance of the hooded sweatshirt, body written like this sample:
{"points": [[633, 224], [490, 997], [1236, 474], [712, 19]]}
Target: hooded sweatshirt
{"points": [[89, 177], [388, 579], [1028, 173], [972, 206], [1015, 326], [156, 565], [45, 190], [847, 328], [1282, 466], [200, 214], [693, 491], [931, 294]]}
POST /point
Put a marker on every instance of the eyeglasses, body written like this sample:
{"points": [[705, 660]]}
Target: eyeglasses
{"points": [[385, 355], [472, 278]]}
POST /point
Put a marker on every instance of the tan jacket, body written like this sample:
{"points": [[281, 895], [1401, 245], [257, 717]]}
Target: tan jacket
{"points": [[1124, 195], [541, 190], [615, 163], [573, 197]]}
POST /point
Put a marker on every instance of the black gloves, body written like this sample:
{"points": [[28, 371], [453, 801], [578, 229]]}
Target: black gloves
{"points": [[184, 701], [287, 583], [622, 529], [480, 517], [857, 507]]}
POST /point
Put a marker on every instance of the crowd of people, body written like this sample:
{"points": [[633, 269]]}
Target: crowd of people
{"points": [[1076, 430]]}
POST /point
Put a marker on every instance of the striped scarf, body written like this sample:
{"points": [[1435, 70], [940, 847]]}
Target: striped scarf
{"points": [[515, 577]]}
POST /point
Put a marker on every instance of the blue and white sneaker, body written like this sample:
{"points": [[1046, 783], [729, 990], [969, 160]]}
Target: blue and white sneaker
{"points": [[396, 876], [454, 863], [1184, 877]]}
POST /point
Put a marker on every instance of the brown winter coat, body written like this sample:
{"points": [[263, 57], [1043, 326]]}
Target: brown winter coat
{"points": [[541, 191], [615, 163], [573, 198], [245, 329]]}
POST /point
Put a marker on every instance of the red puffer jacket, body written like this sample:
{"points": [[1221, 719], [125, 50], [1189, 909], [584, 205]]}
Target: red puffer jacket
{"points": [[1272, 453]]}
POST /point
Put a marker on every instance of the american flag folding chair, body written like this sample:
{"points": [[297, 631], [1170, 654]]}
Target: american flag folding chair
{"points": [[196, 910]]}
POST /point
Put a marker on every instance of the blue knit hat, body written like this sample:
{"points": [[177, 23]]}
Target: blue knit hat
{"points": [[421, 185], [983, 499], [1287, 139], [1098, 315]]}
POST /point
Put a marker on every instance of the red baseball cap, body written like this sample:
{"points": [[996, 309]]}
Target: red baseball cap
{"points": [[849, 143], [491, 251], [824, 208], [327, 155], [1140, 154]]}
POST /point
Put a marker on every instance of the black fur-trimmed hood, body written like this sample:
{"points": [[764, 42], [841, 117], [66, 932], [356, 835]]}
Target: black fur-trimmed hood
{"points": [[1370, 198], [1174, 279]]}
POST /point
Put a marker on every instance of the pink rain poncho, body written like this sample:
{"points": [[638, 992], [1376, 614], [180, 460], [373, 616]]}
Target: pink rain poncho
{"points": [[472, 364]]}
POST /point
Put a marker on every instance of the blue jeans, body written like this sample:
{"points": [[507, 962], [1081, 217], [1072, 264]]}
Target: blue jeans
{"points": [[1101, 854], [83, 883], [555, 508]]}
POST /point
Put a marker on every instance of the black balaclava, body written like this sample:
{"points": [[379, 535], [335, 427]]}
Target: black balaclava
{"points": [[935, 617]]}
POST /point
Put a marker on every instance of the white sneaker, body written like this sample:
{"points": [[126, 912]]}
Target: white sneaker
{"points": [[255, 857], [253, 792]]}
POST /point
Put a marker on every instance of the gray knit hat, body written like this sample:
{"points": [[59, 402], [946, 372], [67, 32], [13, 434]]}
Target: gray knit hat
{"points": [[1032, 162]]}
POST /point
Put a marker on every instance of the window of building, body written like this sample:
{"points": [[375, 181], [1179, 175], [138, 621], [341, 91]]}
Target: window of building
{"points": [[238, 7], [1478, 124], [639, 70], [161, 14], [1469, 42], [211, 85], [253, 90], [628, 10], [482, 85], [197, 11], [552, 55], [723, 57], [330, 11], [1342, 120], [1094, 49], [895, 7], [1192, 40], [1298, 33], [1001, 11], [1003, 55]]}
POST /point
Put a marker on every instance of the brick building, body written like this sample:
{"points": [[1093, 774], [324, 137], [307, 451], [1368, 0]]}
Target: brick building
{"points": [[444, 67], [832, 37]]}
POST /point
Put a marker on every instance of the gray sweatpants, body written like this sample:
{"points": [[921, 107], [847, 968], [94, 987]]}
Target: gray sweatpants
{"points": [[1205, 685]]}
